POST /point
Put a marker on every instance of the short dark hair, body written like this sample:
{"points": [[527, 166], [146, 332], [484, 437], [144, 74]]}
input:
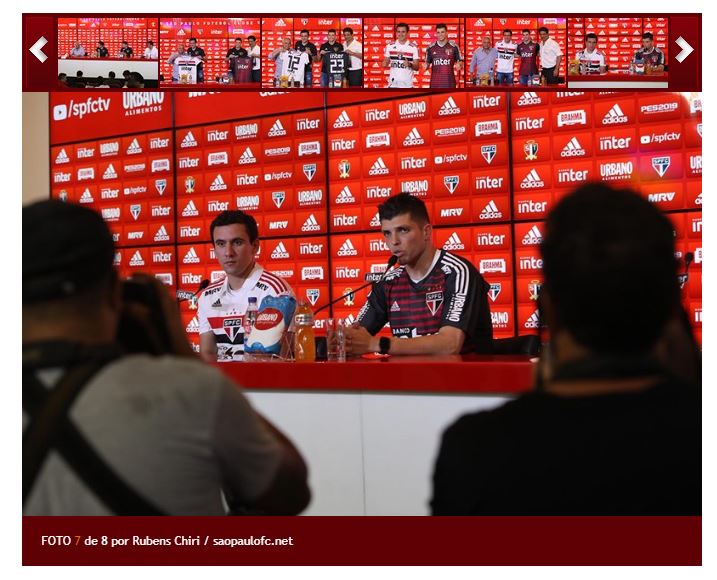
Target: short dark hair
{"points": [[79, 74], [508, 31], [61, 77], [610, 269], [525, 30], [194, 38], [543, 29], [441, 25], [591, 35], [124, 42], [150, 42], [111, 74], [125, 73], [304, 30], [331, 30], [251, 37], [402, 25], [239, 39], [348, 29], [647, 35], [100, 42], [236, 216], [403, 203]]}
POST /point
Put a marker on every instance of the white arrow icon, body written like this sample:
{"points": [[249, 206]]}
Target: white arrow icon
{"points": [[687, 50], [36, 49]]}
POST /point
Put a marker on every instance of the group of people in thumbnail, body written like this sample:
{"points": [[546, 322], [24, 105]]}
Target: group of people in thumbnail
{"points": [[341, 63], [251, 51], [592, 60], [101, 51], [495, 65]]}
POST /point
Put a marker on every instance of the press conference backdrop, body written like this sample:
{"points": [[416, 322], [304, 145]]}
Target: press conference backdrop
{"points": [[312, 168]]}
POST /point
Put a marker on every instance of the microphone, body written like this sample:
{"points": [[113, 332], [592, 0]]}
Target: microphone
{"points": [[684, 277], [183, 295], [390, 264]]}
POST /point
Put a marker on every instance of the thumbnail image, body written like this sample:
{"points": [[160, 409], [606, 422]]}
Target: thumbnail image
{"points": [[107, 52]]}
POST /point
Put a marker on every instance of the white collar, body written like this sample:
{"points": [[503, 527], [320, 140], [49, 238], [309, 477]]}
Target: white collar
{"points": [[248, 284], [436, 257]]}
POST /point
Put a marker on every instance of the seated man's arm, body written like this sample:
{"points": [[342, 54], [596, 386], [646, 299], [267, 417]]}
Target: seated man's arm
{"points": [[208, 347], [448, 340]]}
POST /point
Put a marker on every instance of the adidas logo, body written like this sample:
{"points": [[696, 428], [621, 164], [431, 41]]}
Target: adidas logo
{"points": [[529, 99], [413, 138], [490, 212], [193, 326], [532, 181], [188, 141], [62, 157], [218, 184], [533, 237], [533, 321], [395, 307], [349, 320], [86, 197], [161, 235], [375, 221], [378, 168], [343, 121], [110, 172], [614, 116], [247, 157], [449, 108], [190, 210], [573, 149], [277, 129], [190, 257], [280, 252], [217, 303], [134, 148], [280, 22], [311, 225], [454, 243], [345, 196], [137, 259], [347, 249]]}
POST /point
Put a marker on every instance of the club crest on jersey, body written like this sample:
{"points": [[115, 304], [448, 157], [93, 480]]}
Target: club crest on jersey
{"points": [[278, 198], [534, 289], [494, 291], [451, 182], [349, 301], [233, 327], [160, 185], [488, 152], [434, 301], [313, 295], [309, 170], [189, 184], [344, 169], [531, 150], [661, 165]]}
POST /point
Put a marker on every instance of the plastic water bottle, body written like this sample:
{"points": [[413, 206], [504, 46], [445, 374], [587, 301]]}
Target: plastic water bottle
{"points": [[250, 316], [304, 344]]}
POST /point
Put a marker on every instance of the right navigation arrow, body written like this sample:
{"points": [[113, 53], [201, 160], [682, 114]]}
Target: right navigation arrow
{"points": [[687, 50]]}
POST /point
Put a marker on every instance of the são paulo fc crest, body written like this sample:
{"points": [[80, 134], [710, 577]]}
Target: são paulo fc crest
{"points": [[344, 169], [494, 290], [313, 295], [451, 182], [309, 170], [278, 198], [135, 209], [434, 301], [233, 327], [531, 150], [661, 165], [160, 185], [488, 152]]}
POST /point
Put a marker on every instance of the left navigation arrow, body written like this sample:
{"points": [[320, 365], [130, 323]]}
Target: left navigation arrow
{"points": [[36, 49]]}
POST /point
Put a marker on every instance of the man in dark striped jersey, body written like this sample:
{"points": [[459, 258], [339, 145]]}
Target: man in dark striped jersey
{"points": [[436, 301], [222, 305]]}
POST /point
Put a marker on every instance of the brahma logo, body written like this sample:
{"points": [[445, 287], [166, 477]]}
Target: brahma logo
{"points": [[345, 196], [532, 181], [576, 117], [277, 129], [218, 158], [343, 121], [661, 165], [279, 252], [312, 273], [449, 107], [451, 182], [159, 165], [347, 249], [488, 152], [379, 168], [533, 237], [492, 266], [311, 225], [573, 148], [85, 174], [309, 148], [488, 128], [614, 116], [490, 212], [617, 171], [529, 99], [454, 243], [378, 140]]}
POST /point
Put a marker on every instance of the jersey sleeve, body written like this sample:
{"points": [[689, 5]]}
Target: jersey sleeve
{"points": [[374, 314], [457, 52], [414, 52], [203, 315], [429, 56], [463, 295]]}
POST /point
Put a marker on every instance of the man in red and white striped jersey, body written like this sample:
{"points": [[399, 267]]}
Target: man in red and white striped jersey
{"points": [[436, 302], [222, 305]]}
